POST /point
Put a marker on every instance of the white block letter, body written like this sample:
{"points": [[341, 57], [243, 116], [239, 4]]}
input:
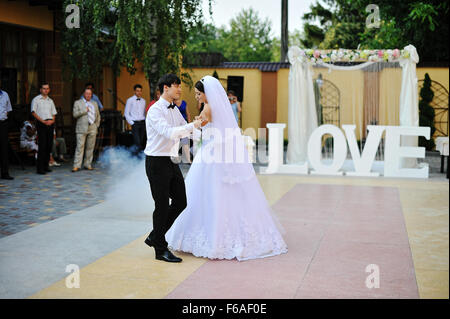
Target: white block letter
{"points": [[315, 150], [394, 152], [363, 162], [275, 147]]}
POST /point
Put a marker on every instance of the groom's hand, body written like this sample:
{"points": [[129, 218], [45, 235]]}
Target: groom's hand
{"points": [[197, 123]]}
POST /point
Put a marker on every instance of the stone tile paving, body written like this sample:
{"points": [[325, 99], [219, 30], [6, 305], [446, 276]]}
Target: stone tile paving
{"points": [[31, 199]]}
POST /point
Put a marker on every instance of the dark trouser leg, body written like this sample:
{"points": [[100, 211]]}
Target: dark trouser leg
{"points": [[48, 151], [45, 143], [42, 146], [177, 192], [4, 147], [448, 162], [159, 174], [143, 135], [137, 138]]}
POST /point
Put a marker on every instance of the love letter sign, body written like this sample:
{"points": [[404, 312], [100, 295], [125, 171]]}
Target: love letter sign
{"points": [[394, 152]]}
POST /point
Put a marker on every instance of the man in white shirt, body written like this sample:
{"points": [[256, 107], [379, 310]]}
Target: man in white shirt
{"points": [[165, 126], [135, 116], [5, 107], [44, 110]]}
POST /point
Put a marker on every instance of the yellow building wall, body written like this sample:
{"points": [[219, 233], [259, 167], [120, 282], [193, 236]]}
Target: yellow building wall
{"points": [[436, 74], [440, 75], [390, 86], [22, 14], [251, 105], [350, 84], [283, 98], [108, 84]]}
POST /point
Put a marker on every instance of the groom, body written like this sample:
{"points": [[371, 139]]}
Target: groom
{"points": [[165, 126]]}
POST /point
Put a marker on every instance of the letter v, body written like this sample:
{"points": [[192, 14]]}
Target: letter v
{"points": [[363, 162]]}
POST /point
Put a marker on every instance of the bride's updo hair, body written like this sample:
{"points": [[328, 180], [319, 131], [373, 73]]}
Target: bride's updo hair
{"points": [[199, 86]]}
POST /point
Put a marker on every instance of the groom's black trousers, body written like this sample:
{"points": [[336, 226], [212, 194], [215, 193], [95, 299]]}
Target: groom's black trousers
{"points": [[166, 181]]}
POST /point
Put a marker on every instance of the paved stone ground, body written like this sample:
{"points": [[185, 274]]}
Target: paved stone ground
{"points": [[31, 199]]}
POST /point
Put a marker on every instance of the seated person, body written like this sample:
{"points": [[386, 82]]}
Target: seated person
{"points": [[59, 147], [28, 137], [52, 161]]}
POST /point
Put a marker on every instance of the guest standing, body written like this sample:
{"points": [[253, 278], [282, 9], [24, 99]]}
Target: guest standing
{"points": [[44, 110], [88, 120], [185, 141], [5, 107], [235, 105], [135, 116], [157, 96], [94, 98]]}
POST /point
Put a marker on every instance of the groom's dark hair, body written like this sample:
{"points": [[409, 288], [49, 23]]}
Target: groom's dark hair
{"points": [[167, 79]]}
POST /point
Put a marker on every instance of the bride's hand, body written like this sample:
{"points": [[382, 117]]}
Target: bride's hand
{"points": [[200, 118], [197, 123]]}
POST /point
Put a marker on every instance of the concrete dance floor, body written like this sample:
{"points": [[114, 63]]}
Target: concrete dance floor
{"points": [[337, 230]]}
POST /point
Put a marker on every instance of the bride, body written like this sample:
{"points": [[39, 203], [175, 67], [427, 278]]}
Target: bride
{"points": [[227, 215]]}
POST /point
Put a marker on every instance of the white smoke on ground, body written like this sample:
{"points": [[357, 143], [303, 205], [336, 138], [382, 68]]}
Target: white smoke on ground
{"points": [[128, 186]]}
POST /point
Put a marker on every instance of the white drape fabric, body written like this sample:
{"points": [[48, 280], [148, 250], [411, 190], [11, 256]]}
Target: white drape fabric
{"points": [[409, 101], [301, 108]]}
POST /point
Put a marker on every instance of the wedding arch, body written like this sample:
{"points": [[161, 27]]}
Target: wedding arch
{"points": [[387, 79]]}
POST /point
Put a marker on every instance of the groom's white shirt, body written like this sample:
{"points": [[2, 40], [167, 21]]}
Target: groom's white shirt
{"points": [[165, 127]]}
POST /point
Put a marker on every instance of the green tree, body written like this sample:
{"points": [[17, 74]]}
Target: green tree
{"points": [[335, 24], [296, 38], [248, 39], [315, 34], [424, 25], [342, 24], [426, 112], [121, 33], [203, 37], [84, 49]]}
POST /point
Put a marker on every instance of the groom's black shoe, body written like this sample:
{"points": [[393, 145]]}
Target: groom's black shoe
{"points": [[149, 242], [166, 255]]}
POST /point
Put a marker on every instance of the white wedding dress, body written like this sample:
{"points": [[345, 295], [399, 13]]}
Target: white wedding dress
{"points": [[227, 214]]}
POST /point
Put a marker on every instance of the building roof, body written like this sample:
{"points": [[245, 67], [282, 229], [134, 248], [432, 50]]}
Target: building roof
{"points": [[216, 60], [262, 66]]}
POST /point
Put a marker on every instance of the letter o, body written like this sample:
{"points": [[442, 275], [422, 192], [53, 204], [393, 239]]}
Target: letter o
{"points": [[315, 150]]}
